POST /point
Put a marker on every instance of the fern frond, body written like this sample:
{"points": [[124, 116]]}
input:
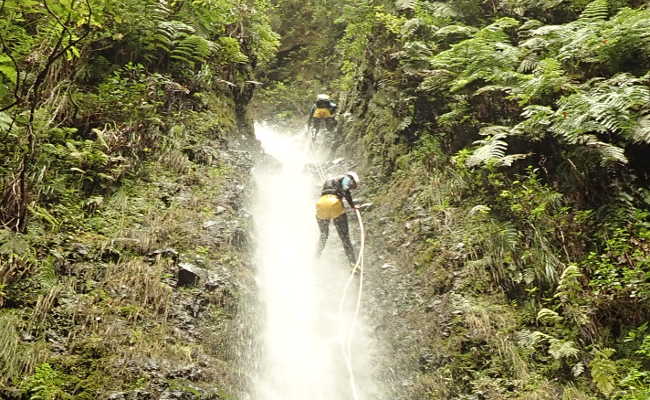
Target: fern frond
{"points": [[479, 209], [547, 30], [510, 159], [441, 10], [457, 32], [597, 10], [411, 26], [405, 123], [192, 47], [528, 63], [548, 78], [641, 133], [609, 153], [406, 4], [547, 316], [603, 370], [610, 106], [539, 337], [494, 147], [578, 369], [569, 283], [562, 349]]}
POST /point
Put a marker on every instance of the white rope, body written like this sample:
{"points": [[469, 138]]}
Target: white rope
{"points": [[347, 343]]}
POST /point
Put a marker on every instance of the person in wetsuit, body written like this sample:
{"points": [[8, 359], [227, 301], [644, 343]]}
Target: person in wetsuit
{"points": [[330, 208], [322, 112]]}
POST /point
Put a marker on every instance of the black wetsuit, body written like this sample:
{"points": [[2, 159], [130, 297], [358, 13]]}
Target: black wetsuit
{"points": [[334, 186], [330, 105]]}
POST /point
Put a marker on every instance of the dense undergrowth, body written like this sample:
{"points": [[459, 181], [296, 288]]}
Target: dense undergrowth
{"points": [[114, 118], [510, 140]]}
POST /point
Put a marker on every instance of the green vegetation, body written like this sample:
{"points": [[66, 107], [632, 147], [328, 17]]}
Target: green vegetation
{"points": [[512, 133], [113, 115], [522, 128]]}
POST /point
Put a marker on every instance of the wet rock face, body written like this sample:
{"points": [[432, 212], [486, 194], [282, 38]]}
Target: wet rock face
{"points": [[201, 276]]}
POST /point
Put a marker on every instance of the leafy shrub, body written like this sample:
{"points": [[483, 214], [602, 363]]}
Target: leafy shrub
{"points": [[45, 384]]}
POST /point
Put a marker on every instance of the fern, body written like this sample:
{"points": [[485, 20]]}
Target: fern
{"points": [[597, 10], [441, 10], [608, 153], [547, 316], [610, 43], [191, 49], [562, 349], [548, 78], [492, 148], [569, 283], [578, 369], [538, 337], [486, 57], [453, 33], [176, 40], [641, 133], [406, 4], [609, 107], [528, 63], [603, 371]]}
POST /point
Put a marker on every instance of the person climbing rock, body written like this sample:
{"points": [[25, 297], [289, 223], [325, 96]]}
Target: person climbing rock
{"points": [[329, 207], [321, 114]]}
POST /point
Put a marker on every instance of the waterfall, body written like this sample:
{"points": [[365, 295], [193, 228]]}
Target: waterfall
{"points": [[302, 326]]}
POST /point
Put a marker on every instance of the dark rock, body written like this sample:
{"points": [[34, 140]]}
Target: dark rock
{"points": [[177, 395], [137, 394], [189, 372], [168, 252], [197, 305], [190, 274], [110, 254]]}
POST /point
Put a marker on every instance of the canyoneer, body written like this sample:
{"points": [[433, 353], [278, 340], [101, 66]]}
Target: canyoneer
{"points": [[321, 115], [329, 207]]}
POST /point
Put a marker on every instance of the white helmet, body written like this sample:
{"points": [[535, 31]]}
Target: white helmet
{"points": [[354, 177], [322, 97]]}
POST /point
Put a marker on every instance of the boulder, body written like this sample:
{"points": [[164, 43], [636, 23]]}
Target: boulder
{"points": [[190, 275]]}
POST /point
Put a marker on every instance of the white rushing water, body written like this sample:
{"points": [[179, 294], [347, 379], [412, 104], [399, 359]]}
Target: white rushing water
{"points": [[303, 329]]}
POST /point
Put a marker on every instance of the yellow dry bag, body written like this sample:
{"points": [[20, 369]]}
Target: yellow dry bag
{"points": [[321, 113], [329, 207]]}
